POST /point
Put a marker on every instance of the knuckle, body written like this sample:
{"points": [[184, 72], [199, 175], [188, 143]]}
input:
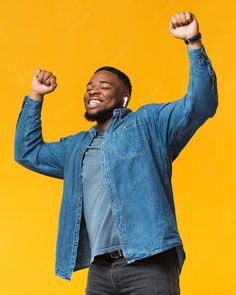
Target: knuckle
{"points": [[174, 21]]}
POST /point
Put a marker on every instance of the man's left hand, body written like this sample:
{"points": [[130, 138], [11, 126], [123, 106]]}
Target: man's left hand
{"points": [[183, 25]]}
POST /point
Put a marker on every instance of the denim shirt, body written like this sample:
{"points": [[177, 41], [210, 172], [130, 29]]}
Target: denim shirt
{"points": [[137, 154]]}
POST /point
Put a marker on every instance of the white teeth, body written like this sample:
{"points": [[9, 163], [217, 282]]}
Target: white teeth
{"points": [[94, 102]]}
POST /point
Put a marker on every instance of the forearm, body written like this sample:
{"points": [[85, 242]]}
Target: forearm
{"points": [[31, 151], [202, 89], [28, 130]]}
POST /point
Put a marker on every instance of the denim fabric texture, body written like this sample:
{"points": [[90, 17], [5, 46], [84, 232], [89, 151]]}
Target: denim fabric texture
{"points": [[137, 154]]}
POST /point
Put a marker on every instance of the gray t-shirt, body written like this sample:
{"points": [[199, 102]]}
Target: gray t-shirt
{"points": [[97, 209]]}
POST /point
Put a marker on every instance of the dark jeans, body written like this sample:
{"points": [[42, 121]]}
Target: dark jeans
{"points": [[157, 274]]}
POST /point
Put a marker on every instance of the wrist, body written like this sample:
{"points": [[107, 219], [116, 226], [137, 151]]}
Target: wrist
{"points": [[195, 45], [35, 95], [193, 41]]}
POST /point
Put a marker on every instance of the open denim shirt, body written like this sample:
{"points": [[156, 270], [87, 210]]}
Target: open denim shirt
{"points": [[136, 154]]}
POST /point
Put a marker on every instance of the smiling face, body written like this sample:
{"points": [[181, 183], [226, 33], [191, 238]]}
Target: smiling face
{"points": [[105, 92]]}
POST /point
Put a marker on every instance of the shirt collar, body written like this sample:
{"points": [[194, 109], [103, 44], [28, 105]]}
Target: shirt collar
{"points": [[121, 113]]}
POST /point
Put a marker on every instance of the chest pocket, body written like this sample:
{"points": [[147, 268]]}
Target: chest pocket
{"points": [[129, 141]]}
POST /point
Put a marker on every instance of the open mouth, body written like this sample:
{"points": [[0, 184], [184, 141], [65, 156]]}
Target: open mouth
{"points": [[94, 102]]}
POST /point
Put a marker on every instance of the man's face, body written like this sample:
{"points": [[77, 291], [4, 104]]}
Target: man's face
{"points": [[104, 93]]}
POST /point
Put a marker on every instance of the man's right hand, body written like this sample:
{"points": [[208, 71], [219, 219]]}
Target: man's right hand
{"points": [[43, 82]]}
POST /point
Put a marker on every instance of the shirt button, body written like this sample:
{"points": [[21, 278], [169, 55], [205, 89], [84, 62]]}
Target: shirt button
{"points": [[77, 220], [81, 153], [75, 244]]}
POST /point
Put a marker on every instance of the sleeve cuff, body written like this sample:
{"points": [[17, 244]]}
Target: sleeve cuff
{"points": [[32, 105], [198, 56]]}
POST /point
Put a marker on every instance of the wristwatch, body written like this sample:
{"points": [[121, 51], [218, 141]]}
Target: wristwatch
{"points": [[193, 39]]}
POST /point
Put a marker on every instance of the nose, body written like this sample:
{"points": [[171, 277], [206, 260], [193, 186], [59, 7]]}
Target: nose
{"points": [[93, 91]]}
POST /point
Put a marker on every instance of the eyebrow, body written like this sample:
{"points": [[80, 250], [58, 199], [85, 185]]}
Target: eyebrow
{"points": [[89, 83]]}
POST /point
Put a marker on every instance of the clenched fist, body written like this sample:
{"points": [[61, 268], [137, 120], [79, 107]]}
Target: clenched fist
{"points": [[183, 25], [43, 82]]}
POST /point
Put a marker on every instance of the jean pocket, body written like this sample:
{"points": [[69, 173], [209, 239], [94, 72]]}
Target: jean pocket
{"points": [[160, 258]]}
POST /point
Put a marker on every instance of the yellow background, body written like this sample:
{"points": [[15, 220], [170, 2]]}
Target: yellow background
{"points": [[72, 39]]}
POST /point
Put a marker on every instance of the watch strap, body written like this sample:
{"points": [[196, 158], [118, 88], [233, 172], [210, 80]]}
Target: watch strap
{"points": [[193, 38]]}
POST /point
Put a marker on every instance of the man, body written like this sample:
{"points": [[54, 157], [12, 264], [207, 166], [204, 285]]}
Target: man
{"points": [[117, 214]]}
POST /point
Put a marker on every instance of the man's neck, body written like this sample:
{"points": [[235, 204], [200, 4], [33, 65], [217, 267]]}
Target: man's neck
{"points": [[103, 125]]}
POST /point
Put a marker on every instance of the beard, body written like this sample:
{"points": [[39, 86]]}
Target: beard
{"points": [[101, 115]]}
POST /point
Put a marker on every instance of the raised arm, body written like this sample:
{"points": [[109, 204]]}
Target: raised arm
{"points": [[177, 121], [30, 149]]}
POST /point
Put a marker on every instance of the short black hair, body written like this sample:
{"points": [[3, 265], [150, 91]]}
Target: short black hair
{"points": [[122, 76]]}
